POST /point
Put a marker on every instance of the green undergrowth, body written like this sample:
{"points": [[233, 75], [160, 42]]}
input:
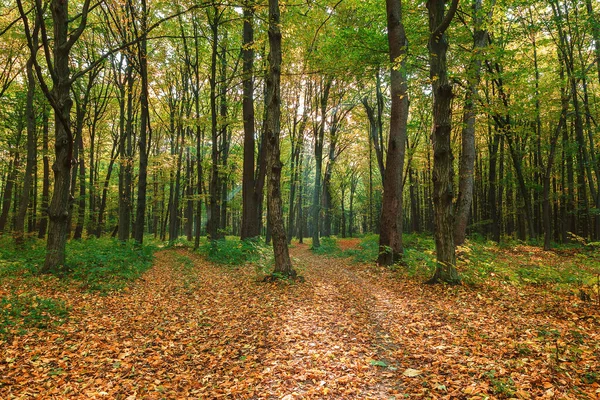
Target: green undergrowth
{"points": [[19, 313], [480, 260], [102, 265], [107, 264], [328, 247], [234, 252]]}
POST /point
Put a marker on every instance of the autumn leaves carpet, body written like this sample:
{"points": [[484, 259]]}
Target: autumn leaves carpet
{"points": [[190, 329]]}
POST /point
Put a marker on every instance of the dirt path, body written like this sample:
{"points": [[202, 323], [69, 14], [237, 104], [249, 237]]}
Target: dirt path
{"points": [[190, 329]]}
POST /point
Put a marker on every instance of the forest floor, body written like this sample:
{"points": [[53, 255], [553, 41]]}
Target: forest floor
{"points": [[192, 329]]}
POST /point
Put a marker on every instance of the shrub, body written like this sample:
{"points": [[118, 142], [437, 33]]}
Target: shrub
{"points": [[107, 264], [328, 247], [235, 252]]}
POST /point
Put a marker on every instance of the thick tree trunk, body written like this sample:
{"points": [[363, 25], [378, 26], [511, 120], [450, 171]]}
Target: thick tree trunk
{"points": [[283, 264], [250, 217], [58, 211], [442, 150], [390, 238]]}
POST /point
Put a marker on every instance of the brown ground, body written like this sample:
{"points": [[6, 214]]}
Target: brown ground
{"points": [[348, 332]]}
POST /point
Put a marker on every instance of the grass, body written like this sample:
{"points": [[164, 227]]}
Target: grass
{"points": [[480, 260], [94, 264], [18, 313]]}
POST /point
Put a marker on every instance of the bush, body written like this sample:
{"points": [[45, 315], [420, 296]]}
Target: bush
{"points": [[235, 252], [328, 247], [107, 264], [368, 250]]}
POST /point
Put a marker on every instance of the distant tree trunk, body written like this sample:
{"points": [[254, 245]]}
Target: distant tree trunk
{"points": [[467, 159], [105, 186], [19, 231], [319, 139], [495, 213], [214, 219], [46, 176], [549, 165], [353, 186], [390, 238], [375, 135], [13, 168], [297, 144], [174, 204], [283, 264], [144, 139], [126, 156], [81, 200], [439, 20]]}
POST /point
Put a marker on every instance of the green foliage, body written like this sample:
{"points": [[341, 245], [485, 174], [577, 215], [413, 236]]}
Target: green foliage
{"points": [[235, 252], [21, 312], [329, 247], [23, 261], [368, 249], [97, 264], [107, 264]]}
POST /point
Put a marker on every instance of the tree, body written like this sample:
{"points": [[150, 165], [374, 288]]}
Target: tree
{"points": [[283, 264], [57, 54], [439, 21], [390, 239]]}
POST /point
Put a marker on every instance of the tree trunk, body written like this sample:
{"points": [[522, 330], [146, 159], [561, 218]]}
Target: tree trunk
{"points": [[46, 176], [144, 140], [214, 218], [250, 217], [390, 239], [319, 139], [19, 231], [442, 129], [126, 157], [467, 159], [283, 264]]}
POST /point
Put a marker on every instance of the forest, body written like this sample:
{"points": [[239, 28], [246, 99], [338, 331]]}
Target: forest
{"points": [[300, 199]]}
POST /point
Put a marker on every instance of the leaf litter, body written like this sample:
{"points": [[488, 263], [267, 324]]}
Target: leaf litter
{"points": [[190, 329]]}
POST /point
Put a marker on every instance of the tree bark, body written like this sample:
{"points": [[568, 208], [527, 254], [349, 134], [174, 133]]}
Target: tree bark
{"points": [[390, 238], [144, 140], [467, 159], [439, 20], [250, 218], [283, 264]]}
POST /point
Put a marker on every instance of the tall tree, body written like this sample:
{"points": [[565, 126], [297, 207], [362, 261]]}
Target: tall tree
{"points": [[390, 237], [57, 52], [283, 264], [467, 155], [439, 21]]}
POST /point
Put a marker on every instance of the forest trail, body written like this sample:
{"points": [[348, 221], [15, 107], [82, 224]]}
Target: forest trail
{"points": [[190, 329]]}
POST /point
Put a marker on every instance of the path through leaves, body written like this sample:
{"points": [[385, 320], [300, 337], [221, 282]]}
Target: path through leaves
{"points": [[190, 329]]}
